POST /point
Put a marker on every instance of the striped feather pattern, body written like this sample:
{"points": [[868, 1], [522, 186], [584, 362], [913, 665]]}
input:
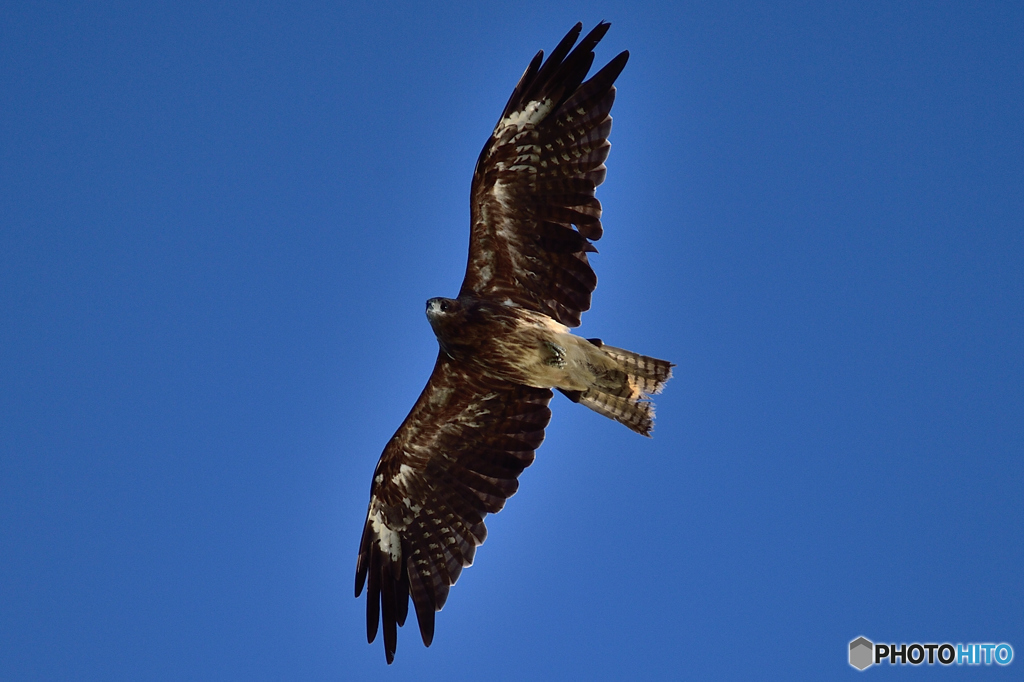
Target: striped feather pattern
{"points": [[637, 415], [623, 394], [534, 212], [649, 374], [455, 459]]}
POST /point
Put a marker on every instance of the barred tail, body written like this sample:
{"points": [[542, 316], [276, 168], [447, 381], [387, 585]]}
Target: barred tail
{"points": [[623, 393]]}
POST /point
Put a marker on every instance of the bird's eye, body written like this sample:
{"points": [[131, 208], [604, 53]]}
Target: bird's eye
{"points": [[444, 306]]}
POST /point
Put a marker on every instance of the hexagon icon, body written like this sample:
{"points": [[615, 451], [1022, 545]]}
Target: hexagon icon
{"points": [[862, 653]]}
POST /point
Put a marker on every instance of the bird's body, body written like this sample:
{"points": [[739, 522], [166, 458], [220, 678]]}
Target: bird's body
{"points": [[510, 343], [504, 343]]}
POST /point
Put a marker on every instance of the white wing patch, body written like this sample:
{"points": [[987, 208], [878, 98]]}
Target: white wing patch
{"points": [[388, 539], [500, 194], [532, 114], [405, 472]]}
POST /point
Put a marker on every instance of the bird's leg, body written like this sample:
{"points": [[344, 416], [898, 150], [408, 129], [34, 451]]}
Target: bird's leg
{"points": [[557, 358]]}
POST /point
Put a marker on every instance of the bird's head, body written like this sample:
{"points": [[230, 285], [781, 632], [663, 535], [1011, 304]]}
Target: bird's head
{"points": [[445, 316], [440, 308]]}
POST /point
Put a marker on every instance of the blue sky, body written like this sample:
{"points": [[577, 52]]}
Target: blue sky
{"points": [[218, 227]]}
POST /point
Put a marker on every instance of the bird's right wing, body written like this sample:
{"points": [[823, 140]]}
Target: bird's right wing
{"points": [[454, 459]]}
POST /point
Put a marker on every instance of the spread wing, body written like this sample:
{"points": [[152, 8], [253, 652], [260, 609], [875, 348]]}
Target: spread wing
{"points": [[535, 181], [455, 459]]}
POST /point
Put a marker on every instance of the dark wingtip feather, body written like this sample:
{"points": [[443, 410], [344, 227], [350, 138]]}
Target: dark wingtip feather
{"points": [[402, 598], [390, 622], [361, 561], [566, 43], [562, 72], [360, 580], [595, 35], [426, 622], [423, 602], [612, 69], [373, 598], [524, 82]]}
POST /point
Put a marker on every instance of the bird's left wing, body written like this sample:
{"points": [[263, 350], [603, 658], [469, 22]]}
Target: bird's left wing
{"points": [[533, 209], [454, 459]]}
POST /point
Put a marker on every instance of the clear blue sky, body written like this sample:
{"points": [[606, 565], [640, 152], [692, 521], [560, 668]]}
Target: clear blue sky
{"points": [[218, 227]]}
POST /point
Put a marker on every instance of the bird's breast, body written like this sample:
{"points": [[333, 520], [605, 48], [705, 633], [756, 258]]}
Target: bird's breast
{"points": [[514, 344]]}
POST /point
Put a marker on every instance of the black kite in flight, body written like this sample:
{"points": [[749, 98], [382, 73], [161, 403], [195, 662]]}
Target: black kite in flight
{"points": [[504, 342]]}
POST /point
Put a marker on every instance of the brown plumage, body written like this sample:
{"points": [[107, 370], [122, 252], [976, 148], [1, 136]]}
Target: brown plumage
{"points": [[504, 342]]}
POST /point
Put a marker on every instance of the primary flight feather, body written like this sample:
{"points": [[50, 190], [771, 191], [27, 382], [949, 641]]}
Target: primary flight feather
{"points": [[504, 342]]}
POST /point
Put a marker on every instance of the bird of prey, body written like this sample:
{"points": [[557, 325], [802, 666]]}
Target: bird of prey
{"points": [[504, 342]]}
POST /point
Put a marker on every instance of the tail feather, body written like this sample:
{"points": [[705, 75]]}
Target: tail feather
{"points": [[637, 415], [653, 373], [623, 393]]}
